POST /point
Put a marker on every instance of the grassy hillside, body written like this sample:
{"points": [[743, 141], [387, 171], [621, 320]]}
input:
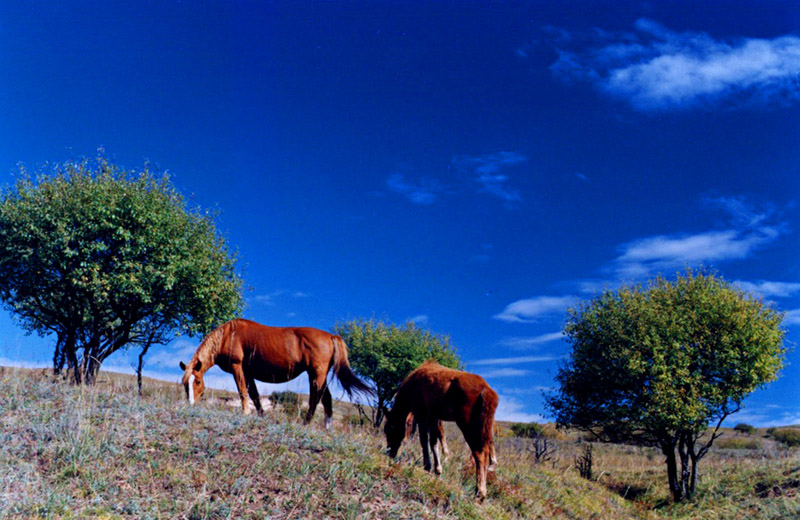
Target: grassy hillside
{"points": [[104, 453]]}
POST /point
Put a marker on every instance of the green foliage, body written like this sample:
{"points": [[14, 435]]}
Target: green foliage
{"points": [[527, 430], [745, 428], [658, 363], [386, 353], [787, 436], [105, 258]]}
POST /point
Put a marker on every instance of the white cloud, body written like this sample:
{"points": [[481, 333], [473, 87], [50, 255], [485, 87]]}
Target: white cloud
{"points": [[505, 372], [646, 256], [654, 68], [767, 288], [792, 317], [485, 169], [531, 309], [425, 192], [514, 360], [419, 319], [512, 410], [523, 343]]}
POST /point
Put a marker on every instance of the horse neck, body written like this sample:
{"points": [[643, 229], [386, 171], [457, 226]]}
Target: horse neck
{"points": [[402, 406], [208, 350]]}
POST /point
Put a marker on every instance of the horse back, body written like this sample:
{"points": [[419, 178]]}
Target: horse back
{"points": [[263, 347], [446, 394]]}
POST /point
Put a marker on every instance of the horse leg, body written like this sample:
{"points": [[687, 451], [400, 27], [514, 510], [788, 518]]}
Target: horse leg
{"points": [[252, 390], [435, 438], [241, 385], [492, 458], [318, 387], [445, 450], [327, 405], [423, 440], [480, 457]]}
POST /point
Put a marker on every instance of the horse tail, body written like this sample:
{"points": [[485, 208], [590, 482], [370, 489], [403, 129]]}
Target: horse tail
{"points": [[341, 367], [487, 404]]}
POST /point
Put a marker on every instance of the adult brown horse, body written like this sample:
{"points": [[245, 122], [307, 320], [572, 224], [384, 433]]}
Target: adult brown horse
{"points": [[251, 351], [433, 394]]}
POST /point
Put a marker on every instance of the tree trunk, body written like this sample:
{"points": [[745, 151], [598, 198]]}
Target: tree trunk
{"points": [[139, 368], [668, 449], [72, 360], [683, 451]]}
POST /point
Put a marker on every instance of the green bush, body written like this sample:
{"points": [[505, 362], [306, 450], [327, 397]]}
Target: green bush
{"points": [[745, 428], [527, 430], [788, 436]]}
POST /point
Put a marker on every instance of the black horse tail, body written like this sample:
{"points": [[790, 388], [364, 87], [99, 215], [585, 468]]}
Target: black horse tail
{"points": [[341, 367]]}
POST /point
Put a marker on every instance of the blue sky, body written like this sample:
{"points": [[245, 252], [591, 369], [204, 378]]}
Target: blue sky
{"points": [[475, 167]]}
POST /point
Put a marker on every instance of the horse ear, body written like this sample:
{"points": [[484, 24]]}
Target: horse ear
{"points": [[183, 366], [197, 366]]}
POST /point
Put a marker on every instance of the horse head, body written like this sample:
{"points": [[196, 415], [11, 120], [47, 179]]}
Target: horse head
{"points": [[395, 431], [193, 381]]}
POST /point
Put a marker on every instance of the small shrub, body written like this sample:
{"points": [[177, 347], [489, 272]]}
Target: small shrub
{"points": [[288, 400], [583, 463], [788, 436], [527, 430], [745, 428]]}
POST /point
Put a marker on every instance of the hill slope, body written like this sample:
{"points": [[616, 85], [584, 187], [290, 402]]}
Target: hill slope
{"points": [[104, 453]]}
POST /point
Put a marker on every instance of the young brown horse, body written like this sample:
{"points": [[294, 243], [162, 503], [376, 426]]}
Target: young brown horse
{"points": [[433, 394], [251, 351]]}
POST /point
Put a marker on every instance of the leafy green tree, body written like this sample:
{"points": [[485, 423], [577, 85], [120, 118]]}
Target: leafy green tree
{"points": [[659, 364], [386, 353], [106, 259]]}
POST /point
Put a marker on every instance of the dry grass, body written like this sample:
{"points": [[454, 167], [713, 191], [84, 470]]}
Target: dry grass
{"points": [[104, 453]]}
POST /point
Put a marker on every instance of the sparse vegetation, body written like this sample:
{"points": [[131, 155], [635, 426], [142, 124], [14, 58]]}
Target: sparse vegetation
{"points": [[101, 452], [787, 436]]}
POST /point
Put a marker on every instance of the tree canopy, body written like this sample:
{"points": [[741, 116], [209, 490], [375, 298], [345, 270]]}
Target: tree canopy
{"points": [[386, 353], [105, 258], [659, 364]]}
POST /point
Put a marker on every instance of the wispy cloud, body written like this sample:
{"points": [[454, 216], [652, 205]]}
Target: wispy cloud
{"points": [[425, 191], [769, 289], [654, 68], [269, 298], [419, 319], [487, 170], [747, 229], [646, 256], [528, 343], [506, 372], [514, 360], [531, 310], [792, 317]]}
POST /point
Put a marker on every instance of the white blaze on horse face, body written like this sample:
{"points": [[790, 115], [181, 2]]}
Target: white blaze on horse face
{"points": [[191, 389]]}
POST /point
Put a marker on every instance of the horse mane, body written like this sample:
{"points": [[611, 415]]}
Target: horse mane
{"points": [[208, 350]]}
